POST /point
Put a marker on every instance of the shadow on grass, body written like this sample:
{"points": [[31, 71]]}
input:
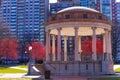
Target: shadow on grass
{"points": [[36, 79], [3, 67]]}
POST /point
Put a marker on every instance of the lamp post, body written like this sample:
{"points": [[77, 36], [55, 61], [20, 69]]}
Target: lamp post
{"points": [[30, 61]]}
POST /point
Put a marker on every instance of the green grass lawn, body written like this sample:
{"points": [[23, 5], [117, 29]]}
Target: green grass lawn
{"points": [[6, 69], [108, 79], [117, 70]]}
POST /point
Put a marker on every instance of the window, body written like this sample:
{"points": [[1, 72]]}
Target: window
{"points": [[86, 66], [64, 5], [65, 67], [53, 18], [100, 17], [85, 16], [67, 16]]}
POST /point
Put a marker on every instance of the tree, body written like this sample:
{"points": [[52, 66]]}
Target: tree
{"points": [[38, 50], [87, 46], [9, 48], [99, 46]]}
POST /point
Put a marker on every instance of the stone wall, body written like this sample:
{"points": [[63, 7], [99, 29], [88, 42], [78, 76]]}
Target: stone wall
{"points": [[80, 68]]}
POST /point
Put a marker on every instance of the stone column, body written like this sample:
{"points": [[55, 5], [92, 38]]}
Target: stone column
{"points": [[80, 50], [65, 48], [47, 45], [76, 44], [110, 47], [59, 44], [94, 55], [49, 38], [103, 43], [106, 44], [53, 48]]}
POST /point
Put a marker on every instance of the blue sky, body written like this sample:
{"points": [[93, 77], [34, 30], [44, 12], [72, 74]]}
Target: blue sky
{"points": [[52, 1]]}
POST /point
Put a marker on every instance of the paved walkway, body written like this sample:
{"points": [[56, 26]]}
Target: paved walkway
{"points": [[69, 77], [38, 76], [84, 77], [25, 68], [18, 75], [19, 68], [57, 77]]}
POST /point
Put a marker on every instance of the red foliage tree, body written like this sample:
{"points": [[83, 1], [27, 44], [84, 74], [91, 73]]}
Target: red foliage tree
{"points": [[38, 50], [9, 48], [99, 46], [87, 46]]}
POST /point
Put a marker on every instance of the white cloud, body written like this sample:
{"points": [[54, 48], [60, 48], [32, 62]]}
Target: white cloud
{"points": [[117, 0], [53, 1]]}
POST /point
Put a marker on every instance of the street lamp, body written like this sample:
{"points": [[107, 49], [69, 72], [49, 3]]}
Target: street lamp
{"points": [[30, 61], [30, 48], [30, 52]]}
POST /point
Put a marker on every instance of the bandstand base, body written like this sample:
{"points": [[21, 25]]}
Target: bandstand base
{"points": [[80, 68]]}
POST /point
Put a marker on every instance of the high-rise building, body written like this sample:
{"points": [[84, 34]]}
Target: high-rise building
{"points": [[116, 31], [25, 18], [117, 12], [88, 3], [114, 15], [104, 6]]}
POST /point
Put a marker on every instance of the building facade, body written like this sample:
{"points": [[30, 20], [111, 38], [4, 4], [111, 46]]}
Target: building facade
{"points": [[117, 12], [114, 15], [104, 6], [25, 17], [116, 32]]}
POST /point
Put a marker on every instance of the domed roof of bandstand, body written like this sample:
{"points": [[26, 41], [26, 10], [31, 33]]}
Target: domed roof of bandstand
{"points": [[85, 18], [77, 8]]}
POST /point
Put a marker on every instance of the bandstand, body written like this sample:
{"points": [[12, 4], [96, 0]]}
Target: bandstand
{"points": [[78, 22]]}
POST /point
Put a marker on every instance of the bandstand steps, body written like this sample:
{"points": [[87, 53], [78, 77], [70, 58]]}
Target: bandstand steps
{"points": [[41, 68], [51, 67]]}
